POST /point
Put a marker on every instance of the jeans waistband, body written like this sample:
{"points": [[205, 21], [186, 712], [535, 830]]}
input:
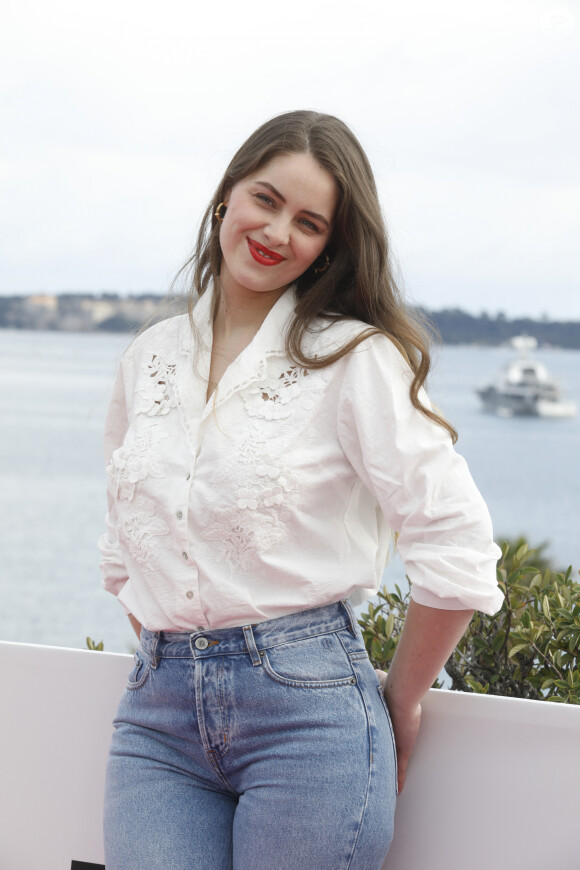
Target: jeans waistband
{"points": [[249, 638]]}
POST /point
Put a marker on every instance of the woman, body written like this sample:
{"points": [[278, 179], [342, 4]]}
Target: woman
{"points": [[262, 452]]}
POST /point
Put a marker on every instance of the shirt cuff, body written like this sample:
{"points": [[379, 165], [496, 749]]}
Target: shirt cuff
{"points": [[428, 599]]}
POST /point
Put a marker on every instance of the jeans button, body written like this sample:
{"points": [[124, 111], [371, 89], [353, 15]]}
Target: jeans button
{"points": [[202, 643]]}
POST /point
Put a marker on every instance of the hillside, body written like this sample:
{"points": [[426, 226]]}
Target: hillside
{"points": [[111, 312], [458, 327]]}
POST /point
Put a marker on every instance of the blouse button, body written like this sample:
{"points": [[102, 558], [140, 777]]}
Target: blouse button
{"points": [[187, 476], [179, 514], [185, 556], [189, 594]]}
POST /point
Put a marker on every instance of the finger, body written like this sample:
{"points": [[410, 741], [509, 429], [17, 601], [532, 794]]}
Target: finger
{"points": [[402, 775], [381, 676]]}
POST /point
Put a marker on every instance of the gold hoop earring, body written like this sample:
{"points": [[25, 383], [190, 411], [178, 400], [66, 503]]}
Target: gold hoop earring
{"points": [[320, 269], [217, 214]]}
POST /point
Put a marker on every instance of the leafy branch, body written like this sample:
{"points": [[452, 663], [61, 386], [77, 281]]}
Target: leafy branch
{"points": [[529, 649]]}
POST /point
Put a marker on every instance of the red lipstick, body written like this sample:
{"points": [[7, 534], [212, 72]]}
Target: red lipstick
{"points": [[264, 255]]}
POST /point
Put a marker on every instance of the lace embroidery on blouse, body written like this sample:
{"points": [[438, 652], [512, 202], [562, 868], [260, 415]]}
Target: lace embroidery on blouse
{"points": [[133, 463], [263, 488], [140, 530], [159, 396], [273, 398], [262, 484]]}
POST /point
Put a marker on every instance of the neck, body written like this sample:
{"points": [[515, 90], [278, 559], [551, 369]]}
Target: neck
{"points": [[243, 314]]}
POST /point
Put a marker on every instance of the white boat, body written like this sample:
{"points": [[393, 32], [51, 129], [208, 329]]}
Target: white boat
{"points": [[524, 387]]}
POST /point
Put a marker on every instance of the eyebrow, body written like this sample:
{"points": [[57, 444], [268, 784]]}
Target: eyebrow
{"points": [[279, 195]]}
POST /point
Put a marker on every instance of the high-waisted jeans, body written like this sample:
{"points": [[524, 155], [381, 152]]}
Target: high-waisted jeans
{"points": [[265, 747]]}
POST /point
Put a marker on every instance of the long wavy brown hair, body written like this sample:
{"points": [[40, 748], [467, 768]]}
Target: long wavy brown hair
{"points": [[359, 282]]}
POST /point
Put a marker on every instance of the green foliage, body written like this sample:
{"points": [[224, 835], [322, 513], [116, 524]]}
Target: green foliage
{"points": [[381, 632], [98, 647], [529, 649], [511, 546]]}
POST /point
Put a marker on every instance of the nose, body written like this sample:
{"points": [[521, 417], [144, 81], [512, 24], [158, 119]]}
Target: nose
{"points": [[277, 231]]}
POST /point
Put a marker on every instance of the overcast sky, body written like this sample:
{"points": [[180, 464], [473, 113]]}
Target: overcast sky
{"points": [[118, 118]]}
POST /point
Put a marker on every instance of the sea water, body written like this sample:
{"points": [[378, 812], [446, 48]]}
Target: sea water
{"points": [[54, 389]]}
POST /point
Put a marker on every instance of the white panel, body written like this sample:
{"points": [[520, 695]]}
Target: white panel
{"points": [[493, 783], [58, 706], [486, 772]]}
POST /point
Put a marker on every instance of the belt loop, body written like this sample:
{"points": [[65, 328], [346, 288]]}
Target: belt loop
{"points": [[154, 659], [351, 616], [251, 644]]}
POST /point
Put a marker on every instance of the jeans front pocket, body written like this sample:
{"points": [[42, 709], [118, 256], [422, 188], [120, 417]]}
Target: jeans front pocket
{"points": [[140, 671], [312, 662]]}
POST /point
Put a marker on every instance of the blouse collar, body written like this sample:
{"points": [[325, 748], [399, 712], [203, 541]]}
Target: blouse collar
{"points": [[250, 365]]}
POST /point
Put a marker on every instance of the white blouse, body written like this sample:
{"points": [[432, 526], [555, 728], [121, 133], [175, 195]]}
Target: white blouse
{"points": [[286, 489]]}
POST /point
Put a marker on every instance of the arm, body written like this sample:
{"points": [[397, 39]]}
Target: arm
{"points": [[136, 624], [114, 571], [429, 637], [112, 563], [428, 497], [421, 484]]}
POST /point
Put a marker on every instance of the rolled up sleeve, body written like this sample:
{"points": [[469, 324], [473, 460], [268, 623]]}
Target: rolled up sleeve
{"points": [[423, 486]]}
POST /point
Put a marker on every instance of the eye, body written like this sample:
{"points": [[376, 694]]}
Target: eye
{"points": [[308, 225], [265, 199]]}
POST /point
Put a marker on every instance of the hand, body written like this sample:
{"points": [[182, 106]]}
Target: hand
{"points": [[405, 727]]}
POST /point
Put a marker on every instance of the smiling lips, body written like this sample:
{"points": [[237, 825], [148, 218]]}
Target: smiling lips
{"points": [[264, 255]]}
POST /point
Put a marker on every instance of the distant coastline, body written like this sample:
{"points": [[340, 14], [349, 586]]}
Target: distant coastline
{"points": [[112, 312], [458, 327]]}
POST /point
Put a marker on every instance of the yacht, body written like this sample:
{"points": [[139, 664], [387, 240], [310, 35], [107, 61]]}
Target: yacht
{"points": [[524, 387]]}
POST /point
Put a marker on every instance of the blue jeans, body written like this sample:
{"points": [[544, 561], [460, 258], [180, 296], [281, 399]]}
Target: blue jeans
{"points": [[265, 747]]}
